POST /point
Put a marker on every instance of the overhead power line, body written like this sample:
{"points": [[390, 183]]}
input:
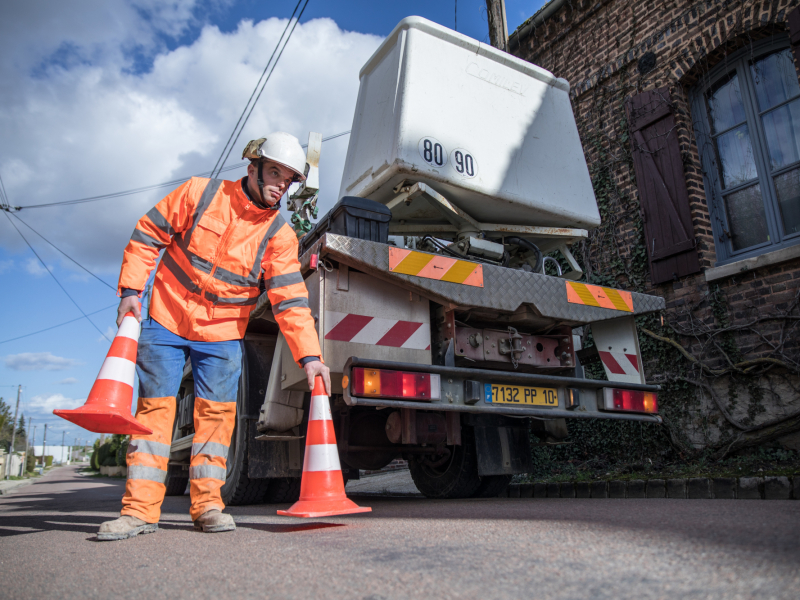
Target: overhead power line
{"points": [[63, 289], [65, 254], [3, 195], [149, 187], [264, 72], [19, 337], [146, 188], [286, 43]]}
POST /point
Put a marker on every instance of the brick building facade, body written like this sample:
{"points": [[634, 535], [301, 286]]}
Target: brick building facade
{"points": [[690, 120]]}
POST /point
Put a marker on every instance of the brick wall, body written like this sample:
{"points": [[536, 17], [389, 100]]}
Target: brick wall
{"points": [[597, 45]]}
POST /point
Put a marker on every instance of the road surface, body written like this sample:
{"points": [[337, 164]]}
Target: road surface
{"points": [[408, 547]]}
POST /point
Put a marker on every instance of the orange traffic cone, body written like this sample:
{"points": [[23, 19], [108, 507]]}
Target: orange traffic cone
{"points": [[108, 407], [322, 487]]}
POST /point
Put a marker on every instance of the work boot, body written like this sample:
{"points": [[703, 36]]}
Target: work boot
{"points": [[123, 528], [213, 521]]}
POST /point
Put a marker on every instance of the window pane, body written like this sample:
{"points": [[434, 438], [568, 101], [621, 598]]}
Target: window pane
{"points": [[788, 187], [724, 102], [746, 217], [775, 79], [782, 129], [736, 157]]}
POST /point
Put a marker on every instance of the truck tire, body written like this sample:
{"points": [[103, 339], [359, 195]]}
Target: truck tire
{"points": [[456, 478], [492, 485], [238, 488], [283, 490], [177, 480], [178, 474]]}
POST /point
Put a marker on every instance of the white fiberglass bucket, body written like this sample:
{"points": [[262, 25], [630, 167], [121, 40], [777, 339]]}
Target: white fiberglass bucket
{"points": [[492, 133]]}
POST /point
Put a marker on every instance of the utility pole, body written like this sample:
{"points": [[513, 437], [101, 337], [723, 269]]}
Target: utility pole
{"points": [[44, 444], [33, 447], [63, 433], [498, 26], [13, 433]]}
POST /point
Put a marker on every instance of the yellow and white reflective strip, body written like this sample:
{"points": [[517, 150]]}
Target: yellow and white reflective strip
{"points": [[432, 266], [149, 447], [210, 449], [600, 297], [147, 473], [207, 472]]}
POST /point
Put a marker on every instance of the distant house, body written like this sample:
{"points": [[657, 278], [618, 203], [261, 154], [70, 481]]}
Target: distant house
{"points": [[15, 463], [689, 113]]}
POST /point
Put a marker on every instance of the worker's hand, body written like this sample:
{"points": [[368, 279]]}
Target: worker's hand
{"points": [[126, 305], [315, 368]]}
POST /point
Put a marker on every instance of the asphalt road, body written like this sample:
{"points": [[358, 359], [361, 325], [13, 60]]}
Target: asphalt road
{"points": [[406, 548]]}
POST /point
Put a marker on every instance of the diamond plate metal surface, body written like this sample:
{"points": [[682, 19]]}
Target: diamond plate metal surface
{"points": [[503, 289]]}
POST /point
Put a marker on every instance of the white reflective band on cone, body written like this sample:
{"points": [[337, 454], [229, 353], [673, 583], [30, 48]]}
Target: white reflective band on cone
{"points": [[320, 409], [322, 457], [118, 369], [129, 328]]}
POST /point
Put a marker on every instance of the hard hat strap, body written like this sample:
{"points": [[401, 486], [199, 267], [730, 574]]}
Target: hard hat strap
{"points": [[260, 182]]}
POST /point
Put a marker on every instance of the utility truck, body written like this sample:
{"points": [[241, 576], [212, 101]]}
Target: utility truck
{"points": [[447, 341]]}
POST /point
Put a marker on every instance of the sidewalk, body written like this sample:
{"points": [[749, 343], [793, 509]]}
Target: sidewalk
{"points": [[6, 487]]}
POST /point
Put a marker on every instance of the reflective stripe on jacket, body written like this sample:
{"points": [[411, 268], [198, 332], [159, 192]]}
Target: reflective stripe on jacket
{"points": [[217, 245]]}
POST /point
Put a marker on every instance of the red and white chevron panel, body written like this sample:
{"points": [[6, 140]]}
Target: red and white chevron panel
{"points": [[376, 331], [621, 366]]}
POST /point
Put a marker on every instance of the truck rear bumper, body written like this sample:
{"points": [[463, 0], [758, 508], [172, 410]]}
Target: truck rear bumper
{"points": [[453, 398]]}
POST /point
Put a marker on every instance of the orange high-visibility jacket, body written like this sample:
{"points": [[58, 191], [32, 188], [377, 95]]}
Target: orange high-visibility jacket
{"points": [[217, 245]]}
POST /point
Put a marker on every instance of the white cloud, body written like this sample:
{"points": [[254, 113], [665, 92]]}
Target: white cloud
{"points": [[67, 381], [109, 335], [73, 88], [5, 265], [48, 402], [38, 361], [34, 267]]}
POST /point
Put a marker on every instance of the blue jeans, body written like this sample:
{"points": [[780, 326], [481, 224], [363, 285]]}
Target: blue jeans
{"points": [[216, 366], [216, 369]]}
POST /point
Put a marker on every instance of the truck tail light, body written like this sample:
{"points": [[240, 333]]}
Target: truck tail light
{"points": [[379, 383], [630, 400]]}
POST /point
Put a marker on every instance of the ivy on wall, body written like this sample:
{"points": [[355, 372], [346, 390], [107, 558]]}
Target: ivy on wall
{"points": [[688, 357]]}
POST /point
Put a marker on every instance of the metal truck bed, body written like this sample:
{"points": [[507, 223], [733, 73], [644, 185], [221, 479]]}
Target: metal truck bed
{"points": [[503, 289]]}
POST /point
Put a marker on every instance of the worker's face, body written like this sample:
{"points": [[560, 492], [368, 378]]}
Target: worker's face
{"points": [[277, 180]]}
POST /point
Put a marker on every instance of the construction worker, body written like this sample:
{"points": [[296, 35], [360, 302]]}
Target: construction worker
{"points": [[219, 238]]}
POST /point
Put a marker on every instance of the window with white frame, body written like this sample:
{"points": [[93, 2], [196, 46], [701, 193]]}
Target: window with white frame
{"points": [[747, 120]]}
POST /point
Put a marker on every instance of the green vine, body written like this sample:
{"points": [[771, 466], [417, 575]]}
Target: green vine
{"points": [[716, 381]]}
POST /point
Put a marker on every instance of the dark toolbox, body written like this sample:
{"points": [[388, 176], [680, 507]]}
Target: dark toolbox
{"points": [[354, 217]]}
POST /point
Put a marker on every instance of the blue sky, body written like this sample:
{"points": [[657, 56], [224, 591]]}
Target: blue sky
{"points": [[109, 95]]}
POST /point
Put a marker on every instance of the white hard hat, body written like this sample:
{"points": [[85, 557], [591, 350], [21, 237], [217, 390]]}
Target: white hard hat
{"points": [[281, 147]]}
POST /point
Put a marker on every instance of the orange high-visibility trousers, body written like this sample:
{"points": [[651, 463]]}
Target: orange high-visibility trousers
{"points": [[216, 369]]}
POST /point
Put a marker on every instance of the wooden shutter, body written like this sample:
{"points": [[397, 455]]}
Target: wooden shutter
{"points": [[794, 32], [663, 196]]}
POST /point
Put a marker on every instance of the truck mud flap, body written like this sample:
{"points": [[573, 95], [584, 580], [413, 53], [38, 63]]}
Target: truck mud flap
{"points": [[273, 459], [502, 450]]}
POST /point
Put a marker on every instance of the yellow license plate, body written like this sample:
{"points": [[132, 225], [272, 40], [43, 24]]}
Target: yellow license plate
{"points": [[519, 395]]}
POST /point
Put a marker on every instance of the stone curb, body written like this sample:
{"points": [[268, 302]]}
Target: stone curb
{"points": [[694, 488], [12, 485]]}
